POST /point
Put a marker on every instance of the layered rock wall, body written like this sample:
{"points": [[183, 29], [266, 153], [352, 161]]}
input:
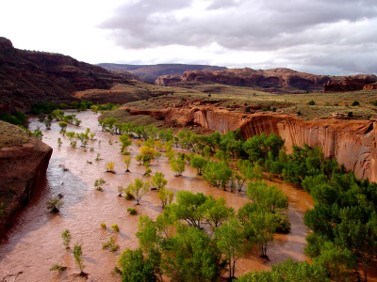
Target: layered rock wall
{"points": [[352, 143], [23, 168]]}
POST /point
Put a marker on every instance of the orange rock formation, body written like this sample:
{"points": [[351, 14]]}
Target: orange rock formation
{"points": [[352, 143]]}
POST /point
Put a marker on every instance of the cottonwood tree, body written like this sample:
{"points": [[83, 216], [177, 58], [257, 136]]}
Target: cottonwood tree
{"points": [[126, 142], [198, 162], [231, 242], [127, 162], [166, 196], [138, 189], [159, 181], [178, 164], [77, 255]]}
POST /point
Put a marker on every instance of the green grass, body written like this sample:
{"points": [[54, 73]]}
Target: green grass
{"points": [[11, 135]]}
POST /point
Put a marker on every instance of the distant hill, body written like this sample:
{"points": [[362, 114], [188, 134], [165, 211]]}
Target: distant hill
{"points": [[28, 77], [279, 80], [149, 73]]}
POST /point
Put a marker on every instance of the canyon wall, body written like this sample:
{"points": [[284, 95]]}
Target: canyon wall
{"points": [[352, 142], [23, 168]]}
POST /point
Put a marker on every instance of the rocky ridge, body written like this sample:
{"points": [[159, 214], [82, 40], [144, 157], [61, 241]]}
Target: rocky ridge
{"points": [[29, 77], [273, 80]]}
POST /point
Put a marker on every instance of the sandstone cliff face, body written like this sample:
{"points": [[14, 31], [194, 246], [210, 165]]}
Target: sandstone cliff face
{"points": [[371, 86], [349, 83], [30, 77], [22, 169], [352, 143]]}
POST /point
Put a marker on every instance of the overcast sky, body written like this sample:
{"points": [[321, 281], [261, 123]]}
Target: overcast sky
{"points": [[318, 36]]}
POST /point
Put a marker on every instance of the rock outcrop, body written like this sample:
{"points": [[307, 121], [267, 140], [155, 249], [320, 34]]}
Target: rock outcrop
{"points": [[349, 83], [274, 80], [371, 86], [29, 77], [23, 168], [352, 143]]}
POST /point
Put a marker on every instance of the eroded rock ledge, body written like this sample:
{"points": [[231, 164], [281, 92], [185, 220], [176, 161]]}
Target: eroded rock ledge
{"points": [[351, 142], [23, 168]]}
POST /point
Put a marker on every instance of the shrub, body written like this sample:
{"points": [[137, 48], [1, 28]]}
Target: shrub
{"points": [[110, 167], [66, 235], [99, 183], [58, 267], [311, 103], [115, 228], [54, 204], [110, 245], [103, 225], [355, 103], [132, 211], [129, 196]]}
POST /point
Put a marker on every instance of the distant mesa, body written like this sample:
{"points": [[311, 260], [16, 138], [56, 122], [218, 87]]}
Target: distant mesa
{"points": [[149, 73], [279, 80]]}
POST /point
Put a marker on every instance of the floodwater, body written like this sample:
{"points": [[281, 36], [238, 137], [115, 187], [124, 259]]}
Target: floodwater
{"points": [[35, 243]]}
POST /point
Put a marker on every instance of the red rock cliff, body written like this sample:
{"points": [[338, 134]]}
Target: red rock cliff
{"points": [[352, 143], [22, 168]]}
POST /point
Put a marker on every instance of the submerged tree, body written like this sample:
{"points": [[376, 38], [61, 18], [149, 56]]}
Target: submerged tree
{"points": [[138, 189], [77, 255], [66, 235]]}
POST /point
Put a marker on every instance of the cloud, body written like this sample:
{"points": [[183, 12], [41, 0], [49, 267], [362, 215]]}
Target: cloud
{"points": [[250, 25]]}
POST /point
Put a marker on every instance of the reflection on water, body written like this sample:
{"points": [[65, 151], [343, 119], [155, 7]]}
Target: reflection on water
{"points": [[35, 243]]}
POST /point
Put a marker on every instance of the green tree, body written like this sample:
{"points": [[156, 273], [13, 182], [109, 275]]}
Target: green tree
{"points": [[135, 267], [231, 242], [138, 189], [216, 212], [77, 255], [127, 162], [190, 255], [126, 142], [288, 271], [166, 196], [178, 164], [198, 162], [159, 181], [217, 174], [188, 207], [63, 126], [66, 236], [267, 197]]}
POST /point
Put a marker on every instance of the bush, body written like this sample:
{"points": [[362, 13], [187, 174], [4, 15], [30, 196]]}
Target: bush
{"points": [[110, 245], [311, 103], [115, 227], [58, 268], [54, 204], [129, 196], [355, 103], [132, 211]]}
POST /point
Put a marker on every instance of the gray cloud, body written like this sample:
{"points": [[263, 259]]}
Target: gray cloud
{"points": [[347, 26]]}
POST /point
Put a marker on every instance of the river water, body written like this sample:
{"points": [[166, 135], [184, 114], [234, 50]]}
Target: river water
{"points": [[35, 243]]}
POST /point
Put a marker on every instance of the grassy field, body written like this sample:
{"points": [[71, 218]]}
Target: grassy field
{"points": [[242, 99], [11, 135]]}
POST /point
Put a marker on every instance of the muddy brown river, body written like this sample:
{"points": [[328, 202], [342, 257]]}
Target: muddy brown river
{"points": [[35, 243]]}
